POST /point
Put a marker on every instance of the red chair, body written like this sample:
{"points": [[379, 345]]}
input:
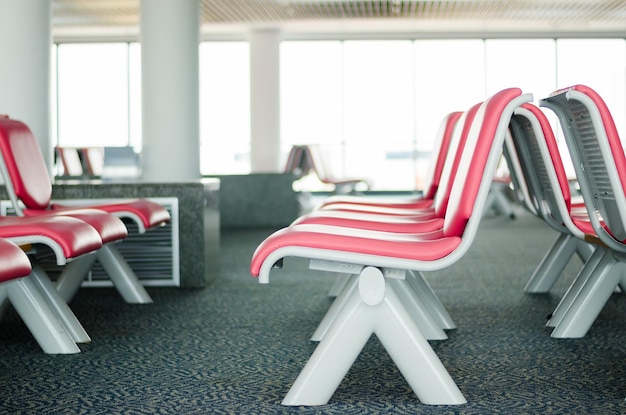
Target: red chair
{"points": [[430, 315], [425, 215], [380, 257], [543, 168], [600, 165], [69, 159], [542, 165], [313, 160], [93, 160], [29, 187], [40, 306]]}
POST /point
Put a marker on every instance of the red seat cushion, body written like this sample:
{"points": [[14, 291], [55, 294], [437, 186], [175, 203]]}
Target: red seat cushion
{"points": [[74, 236], [410, 247], [13, 262]]}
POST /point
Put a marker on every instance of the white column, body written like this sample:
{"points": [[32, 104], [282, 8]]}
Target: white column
{"points": [[170, 35], [26, 40], [265, 101]]}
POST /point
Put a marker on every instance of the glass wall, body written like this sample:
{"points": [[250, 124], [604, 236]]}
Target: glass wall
{"points": [[224, 107], [93, 96], [373, 105]]}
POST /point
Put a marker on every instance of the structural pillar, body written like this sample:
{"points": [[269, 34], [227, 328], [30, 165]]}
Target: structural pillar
{"points": [[25, 30], [170, 36], [265, 101]]}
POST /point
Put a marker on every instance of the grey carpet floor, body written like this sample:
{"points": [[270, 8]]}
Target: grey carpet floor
{"points": [[236, 346]]}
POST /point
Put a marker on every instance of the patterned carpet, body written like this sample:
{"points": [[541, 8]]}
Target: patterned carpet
{"points": [[237, 346]]}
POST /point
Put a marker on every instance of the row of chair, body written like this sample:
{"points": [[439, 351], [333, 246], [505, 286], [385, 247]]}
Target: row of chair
{"points": [[590, 225], [309, 159], [78, 162], [77, 235], [381, 247]]}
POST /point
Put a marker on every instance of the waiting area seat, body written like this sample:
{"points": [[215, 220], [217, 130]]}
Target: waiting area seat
{"points": [[309, 159], [379, 261], [28, 184], [69, 162], [45, 312], [600, 165]]}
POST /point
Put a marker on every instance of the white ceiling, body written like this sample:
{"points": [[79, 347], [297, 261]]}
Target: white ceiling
{"points": [[84, 19]]}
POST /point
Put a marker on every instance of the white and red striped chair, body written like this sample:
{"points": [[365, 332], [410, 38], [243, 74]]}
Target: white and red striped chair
{"points": [[423, 215], [600, 165], [28, 184], [379, 258], [45, 312], [431, 180]]}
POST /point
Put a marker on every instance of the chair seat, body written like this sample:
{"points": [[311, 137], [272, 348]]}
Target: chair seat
{"points": [[13, 262], [392, 202], [72, 235], [110, 228], [149, 214], [373, 222], [336, 239], [423, 212]]}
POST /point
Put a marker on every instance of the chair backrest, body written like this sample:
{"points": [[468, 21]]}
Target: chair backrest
{"points": [[521, 190], [478, 161], [315, 162], [70, 160], [294, 165], [542, 166], [437, 161], [600, 164], [23, 166], [452, 159], [93, 159]]}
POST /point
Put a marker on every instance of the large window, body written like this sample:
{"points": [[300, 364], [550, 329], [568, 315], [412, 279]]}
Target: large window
{"points": [[394, 93], [98, 95], [599, 63], [449, 76], [378, 130], [374, 105], [224, 107]]}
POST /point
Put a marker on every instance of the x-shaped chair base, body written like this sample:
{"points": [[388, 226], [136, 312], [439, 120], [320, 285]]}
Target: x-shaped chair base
{"points": [[123, 277], [373, 307], [416, 296], [554, 262], [39, 317], [587, 295]]}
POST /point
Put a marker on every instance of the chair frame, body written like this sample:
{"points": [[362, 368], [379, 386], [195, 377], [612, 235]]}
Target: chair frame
{"points": [[26, 201], [600, 165], [375, 308]]}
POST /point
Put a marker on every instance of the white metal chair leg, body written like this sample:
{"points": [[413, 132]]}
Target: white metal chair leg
{"points": [[424, 291], [585, 250], [73, 275], [336, 307], [575, 287], [419, 313], [413, 303], [122, 275], [416, 360], [59, 306], [4, 301], [39, 318], [552, 264], [340, 282], [498, 202], [502, 203], [589, 302], [373, 309]]}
